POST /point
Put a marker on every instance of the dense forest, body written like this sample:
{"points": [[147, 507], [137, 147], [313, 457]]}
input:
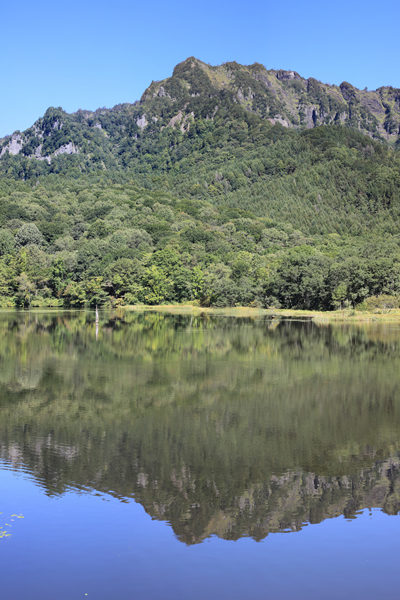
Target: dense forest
{"points": [[205, 192]]}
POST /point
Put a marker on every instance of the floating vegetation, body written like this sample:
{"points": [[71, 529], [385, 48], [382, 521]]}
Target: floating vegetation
{"points": [[4, 533]]}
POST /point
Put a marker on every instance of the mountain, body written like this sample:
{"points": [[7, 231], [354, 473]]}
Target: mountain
{"points": [[197, 91], [221, 186], [282, 97]]}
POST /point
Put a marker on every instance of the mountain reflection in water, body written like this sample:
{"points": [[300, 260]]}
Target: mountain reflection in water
{"points": [[216, 425]]}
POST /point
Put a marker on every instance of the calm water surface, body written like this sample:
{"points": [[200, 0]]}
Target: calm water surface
{"points": [[159, 456]]}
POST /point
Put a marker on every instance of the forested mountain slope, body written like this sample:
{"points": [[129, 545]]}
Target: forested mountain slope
{"points": [[184, 103], [206, 190]]}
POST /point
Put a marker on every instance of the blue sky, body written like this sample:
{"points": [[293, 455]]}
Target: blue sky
{"points": [[86, 54]]}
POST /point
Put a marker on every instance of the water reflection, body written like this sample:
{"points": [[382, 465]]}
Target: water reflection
{"points": [[230, 427]]}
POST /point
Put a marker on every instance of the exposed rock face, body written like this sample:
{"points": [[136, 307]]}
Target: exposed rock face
{"points": [[38, 152], [175, 119], [310, 116], [284, 97], [141, 122], [372, 103], [287, 75], [67, 149], [159, 93], [193, 91], [183, 120], [14, 145], [281, 120]]}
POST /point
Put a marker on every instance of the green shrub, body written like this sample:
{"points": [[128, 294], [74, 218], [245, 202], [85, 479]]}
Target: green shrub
{"points": [[380, 303]]}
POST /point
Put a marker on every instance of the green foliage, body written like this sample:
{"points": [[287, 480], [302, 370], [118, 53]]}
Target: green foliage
{"points": [[96, 295], [194, 195], [7, 242], [28, 234], [339, 296], [25, 290], [300, 280], [74, 295], [152, 247], [380, 303]]}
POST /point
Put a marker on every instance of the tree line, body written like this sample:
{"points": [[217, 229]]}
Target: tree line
{"points": [[91, 241]]}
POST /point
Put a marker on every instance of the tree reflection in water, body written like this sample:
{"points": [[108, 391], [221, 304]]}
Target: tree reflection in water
{"points": [[218, 426]]}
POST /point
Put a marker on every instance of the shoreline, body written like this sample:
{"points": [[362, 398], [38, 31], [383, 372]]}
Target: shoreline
{"points": [[320, 317], [314, 316]]}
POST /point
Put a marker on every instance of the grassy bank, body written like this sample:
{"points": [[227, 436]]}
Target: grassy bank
{"points": [[354, 316]]}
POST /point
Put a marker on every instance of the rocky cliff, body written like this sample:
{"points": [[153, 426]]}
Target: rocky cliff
{"points": [[198, 91]]}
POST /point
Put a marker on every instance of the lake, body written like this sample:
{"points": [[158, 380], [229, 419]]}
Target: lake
{"points": [[176, 456]]}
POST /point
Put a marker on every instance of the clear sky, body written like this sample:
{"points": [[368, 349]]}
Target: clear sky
{"points": [[86, 54]]}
